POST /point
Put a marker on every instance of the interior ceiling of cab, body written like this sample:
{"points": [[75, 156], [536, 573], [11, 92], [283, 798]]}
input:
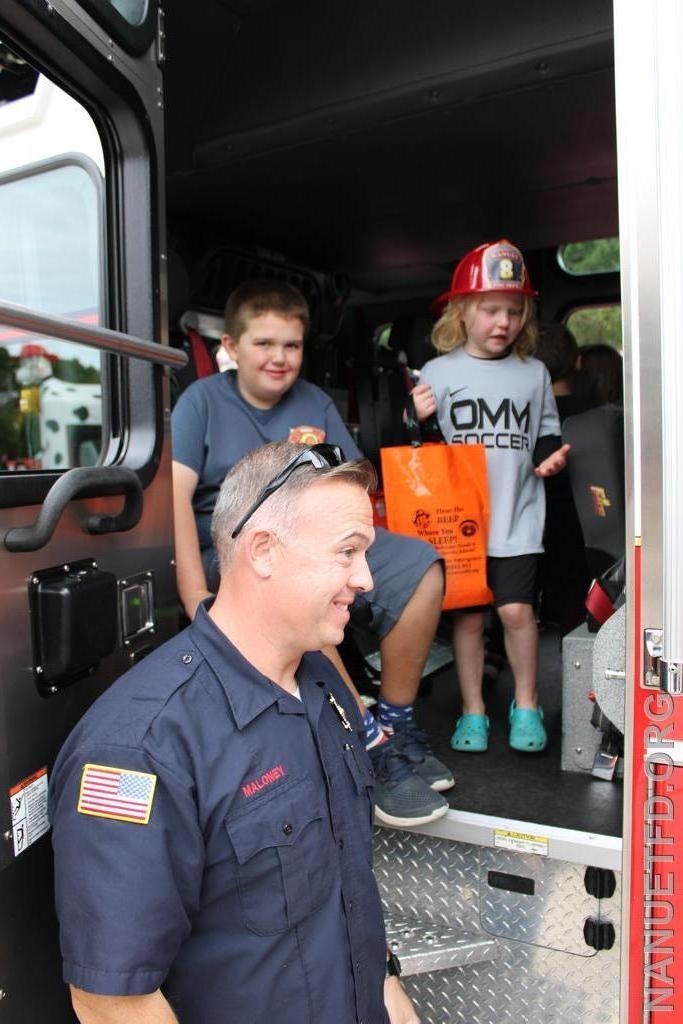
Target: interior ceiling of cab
{"points": [[383, 138]]}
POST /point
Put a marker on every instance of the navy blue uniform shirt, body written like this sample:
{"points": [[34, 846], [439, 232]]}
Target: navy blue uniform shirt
{"points": [[248, 896]]}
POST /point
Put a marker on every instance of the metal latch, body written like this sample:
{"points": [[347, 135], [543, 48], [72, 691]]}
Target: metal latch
{"points": [[652, 654], [671, 675], [657, 673]]}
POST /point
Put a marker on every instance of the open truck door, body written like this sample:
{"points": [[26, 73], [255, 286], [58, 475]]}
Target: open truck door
{"points": [[86, 558], [649, 85]]}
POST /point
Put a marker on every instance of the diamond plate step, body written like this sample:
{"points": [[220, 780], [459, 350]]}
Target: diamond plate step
{"points": [[424, 946]]}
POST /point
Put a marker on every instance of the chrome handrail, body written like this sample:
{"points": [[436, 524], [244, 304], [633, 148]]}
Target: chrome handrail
{"points": [[50, 326]]}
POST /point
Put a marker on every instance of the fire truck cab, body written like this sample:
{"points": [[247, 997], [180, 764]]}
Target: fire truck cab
{"points": [[153, 158]]}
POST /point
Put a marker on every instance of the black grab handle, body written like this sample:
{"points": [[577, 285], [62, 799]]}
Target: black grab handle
{"points": [[85, 482]]}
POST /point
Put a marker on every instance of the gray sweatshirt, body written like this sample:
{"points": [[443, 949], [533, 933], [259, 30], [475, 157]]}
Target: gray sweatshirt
{"points": [[507, 405]]}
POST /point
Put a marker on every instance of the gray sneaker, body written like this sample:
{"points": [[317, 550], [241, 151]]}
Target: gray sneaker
{"points": [[402, 797], [412, 743]]}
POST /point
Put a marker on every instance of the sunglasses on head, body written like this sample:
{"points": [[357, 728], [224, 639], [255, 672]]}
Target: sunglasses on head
{"points": [[319, 456]]}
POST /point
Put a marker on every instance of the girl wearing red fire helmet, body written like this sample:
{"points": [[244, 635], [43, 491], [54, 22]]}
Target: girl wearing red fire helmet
{"points": [[486, 388]]}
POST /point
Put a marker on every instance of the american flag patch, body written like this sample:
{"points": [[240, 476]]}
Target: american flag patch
{"points": [[116, 793]]}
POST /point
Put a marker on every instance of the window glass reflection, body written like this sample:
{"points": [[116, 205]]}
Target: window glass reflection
{"points": [[51, 261], [134, 11]]}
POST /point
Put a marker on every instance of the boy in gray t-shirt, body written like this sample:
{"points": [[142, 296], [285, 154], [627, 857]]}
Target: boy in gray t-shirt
{"points": [[487, 389]]}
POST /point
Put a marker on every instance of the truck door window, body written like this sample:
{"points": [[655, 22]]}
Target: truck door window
{"points": [[132, 23], [51, 261], [596, 325], [134, 11], [597, 256]]}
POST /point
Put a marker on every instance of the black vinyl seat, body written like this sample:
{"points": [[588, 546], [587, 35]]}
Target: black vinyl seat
{"points": [[596, 472]]}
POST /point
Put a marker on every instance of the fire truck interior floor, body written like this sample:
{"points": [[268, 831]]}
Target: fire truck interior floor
{"points": [[504, 783]]}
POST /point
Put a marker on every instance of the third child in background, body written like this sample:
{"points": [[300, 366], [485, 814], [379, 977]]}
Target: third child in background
{"points": [[487, 389]]}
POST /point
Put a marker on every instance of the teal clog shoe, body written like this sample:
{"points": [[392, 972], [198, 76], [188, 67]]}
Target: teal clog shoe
{"points": [[471, 734], [527, 732]]}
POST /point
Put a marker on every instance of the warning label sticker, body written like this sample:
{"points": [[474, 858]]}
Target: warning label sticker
{"points": [[520, 842], [28, 803]]}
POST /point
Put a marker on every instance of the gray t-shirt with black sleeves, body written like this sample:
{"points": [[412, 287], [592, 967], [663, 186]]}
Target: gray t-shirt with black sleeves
{"points": [[213, 427], [505, 404]]}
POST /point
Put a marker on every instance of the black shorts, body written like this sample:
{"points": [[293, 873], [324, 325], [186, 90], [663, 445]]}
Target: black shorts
{"points": [[512, 580]]}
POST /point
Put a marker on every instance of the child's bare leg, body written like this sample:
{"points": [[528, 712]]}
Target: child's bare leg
{"points": [[521, 645], [468, 647]]}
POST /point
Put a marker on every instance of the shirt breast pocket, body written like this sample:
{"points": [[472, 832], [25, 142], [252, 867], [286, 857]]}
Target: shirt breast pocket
{"points": [[286, 862]]}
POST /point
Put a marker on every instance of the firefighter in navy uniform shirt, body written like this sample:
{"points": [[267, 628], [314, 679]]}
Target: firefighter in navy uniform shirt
{"points": [[212, 811]]}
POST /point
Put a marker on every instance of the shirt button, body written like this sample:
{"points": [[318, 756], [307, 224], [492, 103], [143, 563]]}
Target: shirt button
{"points": [[186, 659], [340, 844], [287, 829], [350, 905]]}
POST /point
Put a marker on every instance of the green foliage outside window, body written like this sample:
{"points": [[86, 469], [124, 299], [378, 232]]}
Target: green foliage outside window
{"points": [[599, 256], [591, 325], [73, 371]]}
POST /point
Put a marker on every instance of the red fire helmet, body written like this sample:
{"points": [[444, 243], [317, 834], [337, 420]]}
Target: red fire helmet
{"points": [[31, 350], [491, 267]]}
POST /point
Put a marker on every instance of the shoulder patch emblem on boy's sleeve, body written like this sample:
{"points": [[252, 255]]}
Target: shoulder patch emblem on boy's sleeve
{"points": [[306, 435], [116, 793]]}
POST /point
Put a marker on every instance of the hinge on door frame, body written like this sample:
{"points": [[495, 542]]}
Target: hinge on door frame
{"points": [[657, 673], [652, 656]]}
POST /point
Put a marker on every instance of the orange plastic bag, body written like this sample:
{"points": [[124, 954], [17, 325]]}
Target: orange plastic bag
{"points": [[439, 493]]}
